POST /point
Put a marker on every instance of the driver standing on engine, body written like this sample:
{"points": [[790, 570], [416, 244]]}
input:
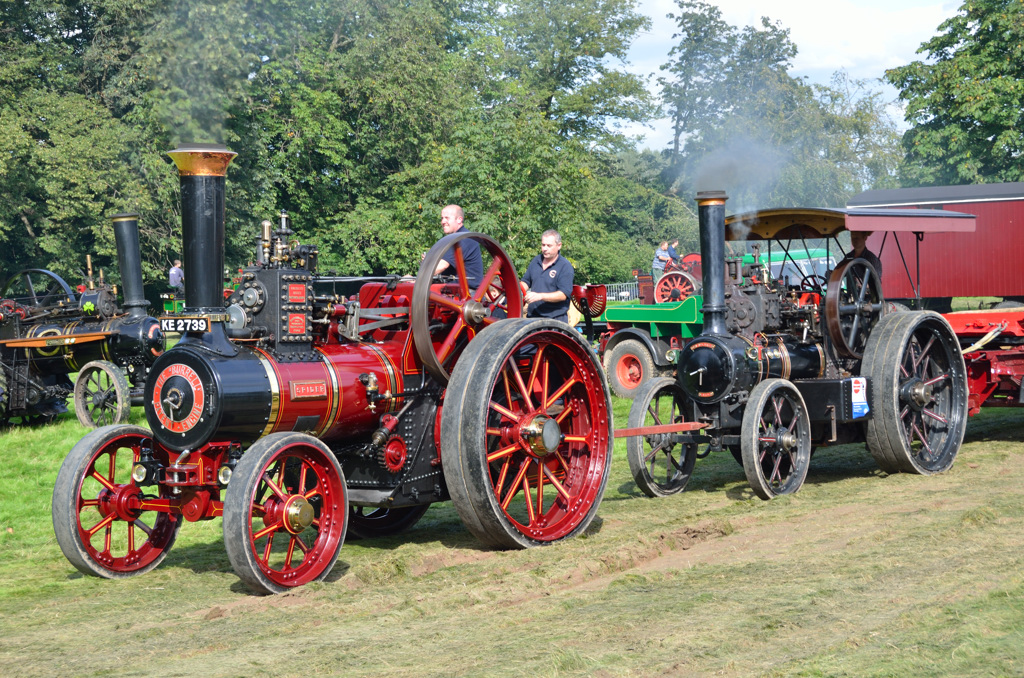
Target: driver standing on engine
{"points": [[451, 222], [548, 280], [859, 240]]}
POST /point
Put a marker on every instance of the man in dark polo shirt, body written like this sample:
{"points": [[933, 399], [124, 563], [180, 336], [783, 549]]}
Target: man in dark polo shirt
{"points": [[548, 280], [451, 222]]}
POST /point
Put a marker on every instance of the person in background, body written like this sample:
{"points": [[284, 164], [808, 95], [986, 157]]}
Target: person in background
{"points": [[451, 222], [672, 253], [176, 277], [661, 258], [859, 240], [548, 280]]}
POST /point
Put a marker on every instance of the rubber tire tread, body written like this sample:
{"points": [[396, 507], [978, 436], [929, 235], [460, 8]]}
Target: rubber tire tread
{"points": [[756, 402], [121, 388], [65, 521], [883, 434], [236, 508], [476, 504], [629, 347]]}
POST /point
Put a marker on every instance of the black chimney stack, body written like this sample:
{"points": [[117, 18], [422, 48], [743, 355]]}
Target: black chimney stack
{"points": [[711, 220], [203, 168], [129, 260]]}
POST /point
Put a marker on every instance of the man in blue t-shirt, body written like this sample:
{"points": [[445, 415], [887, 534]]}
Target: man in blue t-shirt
{"points": [[451, 222], [548, 280]]}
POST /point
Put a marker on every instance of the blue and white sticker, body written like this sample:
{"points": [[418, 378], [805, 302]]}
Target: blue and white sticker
{"points": [[860, 397]]}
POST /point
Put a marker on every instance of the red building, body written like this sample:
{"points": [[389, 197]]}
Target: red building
{"points": [[986, 262]]}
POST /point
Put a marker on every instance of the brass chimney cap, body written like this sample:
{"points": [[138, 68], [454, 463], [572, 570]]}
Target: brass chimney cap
{"points": [[202, 160], [711, 197]]}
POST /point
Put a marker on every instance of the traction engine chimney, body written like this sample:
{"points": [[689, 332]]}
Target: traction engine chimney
{"points": [[202, 168], [711, 220], [129, 260]]}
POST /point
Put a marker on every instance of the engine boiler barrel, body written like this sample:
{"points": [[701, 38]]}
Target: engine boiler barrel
{"points": [[195, 396], [712, 367], [129, 340]]}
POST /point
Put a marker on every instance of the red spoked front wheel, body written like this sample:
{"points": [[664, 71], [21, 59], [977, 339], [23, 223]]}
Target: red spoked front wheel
{"points": [[286, 513], [100, 514], [526, 434]]}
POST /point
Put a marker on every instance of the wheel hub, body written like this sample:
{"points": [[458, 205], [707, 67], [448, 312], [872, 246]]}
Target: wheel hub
{"points": [[474, 312], [542, 435], [298, 514], [123, 501], [916, 393], [786, 440]]}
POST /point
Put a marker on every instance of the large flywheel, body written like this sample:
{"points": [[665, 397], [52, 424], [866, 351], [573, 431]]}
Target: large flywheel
{"points": [[853, 305], [447, 314]]}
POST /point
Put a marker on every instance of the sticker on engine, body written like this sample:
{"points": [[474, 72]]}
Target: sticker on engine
{"points": [[859, 399]]}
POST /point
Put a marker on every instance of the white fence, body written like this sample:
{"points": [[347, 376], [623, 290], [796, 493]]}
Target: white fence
{"points": [[622, 291]]}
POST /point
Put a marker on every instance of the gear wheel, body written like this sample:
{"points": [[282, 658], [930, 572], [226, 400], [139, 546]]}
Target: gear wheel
{"points": [[394, 455]]}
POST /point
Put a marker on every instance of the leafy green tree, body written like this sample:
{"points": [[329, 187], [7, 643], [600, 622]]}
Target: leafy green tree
{"points": [[966, 101], [695, 72], [563, 53]]}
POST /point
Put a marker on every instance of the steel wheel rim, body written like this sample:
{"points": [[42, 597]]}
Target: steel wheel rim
{"points": [[659, 448], [100, 395], [122, 519], [546, 496], [853, 304], [777, 457], [929, 405], [629, 371], [297, 472]]}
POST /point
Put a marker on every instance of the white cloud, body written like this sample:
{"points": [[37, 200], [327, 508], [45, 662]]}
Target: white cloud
{"points": [[863, 38]]}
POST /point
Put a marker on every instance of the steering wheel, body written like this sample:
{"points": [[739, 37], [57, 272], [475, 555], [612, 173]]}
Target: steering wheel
{"points": [[813, 283]]}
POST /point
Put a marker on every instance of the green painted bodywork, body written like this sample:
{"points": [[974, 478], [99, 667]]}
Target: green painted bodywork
{"points": [[683, 319]]}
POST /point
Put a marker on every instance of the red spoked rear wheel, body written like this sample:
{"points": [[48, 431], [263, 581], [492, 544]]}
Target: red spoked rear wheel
{"points": [[526, 434], [286, 513], [100, 514]]}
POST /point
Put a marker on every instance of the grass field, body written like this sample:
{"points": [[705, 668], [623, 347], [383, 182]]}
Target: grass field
{"points": [[859, 574]]}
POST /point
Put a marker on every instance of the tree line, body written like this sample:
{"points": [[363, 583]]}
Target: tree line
{"points": [[363, 118]]}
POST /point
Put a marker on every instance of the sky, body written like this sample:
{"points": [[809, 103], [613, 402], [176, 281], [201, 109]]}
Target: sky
{"points": [[862, 37]]}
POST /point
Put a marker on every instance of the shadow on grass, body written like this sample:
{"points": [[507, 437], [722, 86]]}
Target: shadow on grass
{"points": [[721, 471]]}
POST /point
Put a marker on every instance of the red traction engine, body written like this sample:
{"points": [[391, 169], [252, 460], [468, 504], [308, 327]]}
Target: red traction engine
{"points": [[302, 416]]}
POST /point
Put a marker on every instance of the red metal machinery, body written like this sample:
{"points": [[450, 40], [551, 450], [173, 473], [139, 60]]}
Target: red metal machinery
{"points": [[301, 416], [940, 266]]}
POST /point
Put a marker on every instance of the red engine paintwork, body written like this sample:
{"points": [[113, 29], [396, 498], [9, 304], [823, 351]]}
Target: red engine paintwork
{"points": [[996, 369]]}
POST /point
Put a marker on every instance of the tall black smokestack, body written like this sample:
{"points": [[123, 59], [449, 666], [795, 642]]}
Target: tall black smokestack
{"points": [[203, 168], [711, 219], [129, 260]]}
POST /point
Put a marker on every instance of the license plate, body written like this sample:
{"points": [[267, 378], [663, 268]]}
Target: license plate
{"points": [[182, 324]]}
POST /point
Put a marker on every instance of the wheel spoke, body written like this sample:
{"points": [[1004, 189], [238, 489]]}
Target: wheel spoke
{"points": [[514, 488], [444, 300], [269, 529], [562, 492], [485, 283], [448, 345]]}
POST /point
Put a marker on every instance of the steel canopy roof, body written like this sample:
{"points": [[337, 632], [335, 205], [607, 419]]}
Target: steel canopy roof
{"points": [[819, 222]]}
